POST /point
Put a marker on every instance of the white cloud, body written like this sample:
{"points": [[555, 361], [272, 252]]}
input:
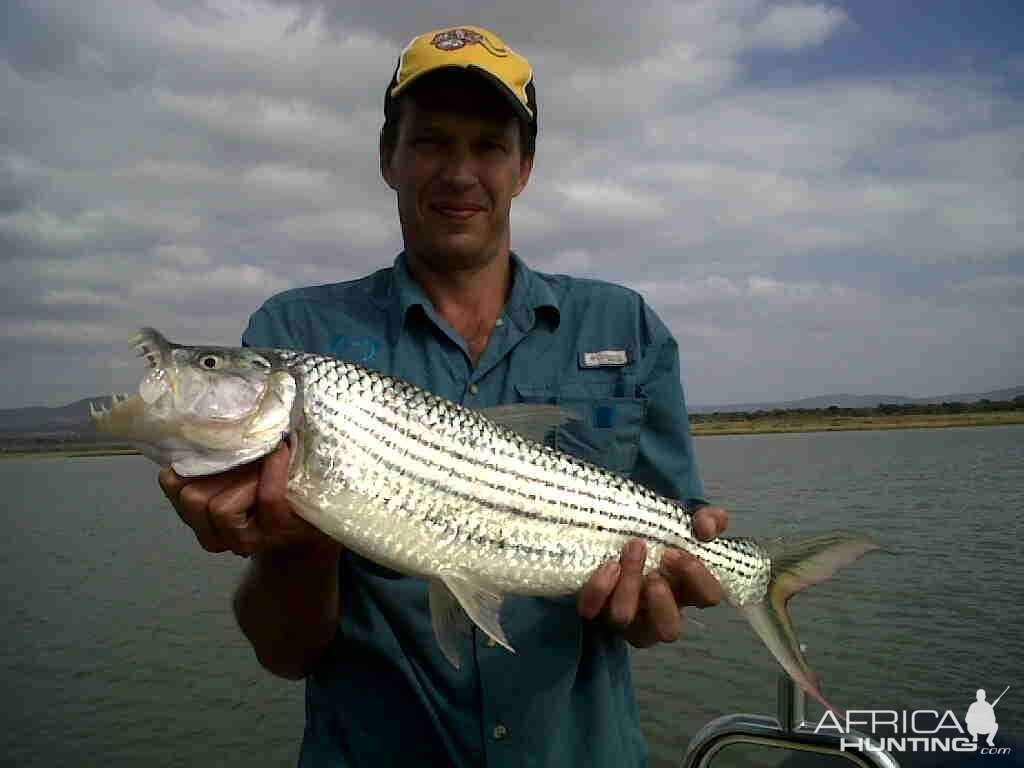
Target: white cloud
{"points": [[50, 330], [167, 284], [53, 231], [351, 228], [608, 200], [183, 256], [288, 180], [81, 297], [48, 230], [791, 27]]}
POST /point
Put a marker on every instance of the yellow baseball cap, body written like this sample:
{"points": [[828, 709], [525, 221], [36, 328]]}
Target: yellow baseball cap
{"points": [[472, 49]]}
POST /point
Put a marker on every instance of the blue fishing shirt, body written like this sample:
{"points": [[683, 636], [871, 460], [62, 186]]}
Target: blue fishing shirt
{"points": [[383, 694]]}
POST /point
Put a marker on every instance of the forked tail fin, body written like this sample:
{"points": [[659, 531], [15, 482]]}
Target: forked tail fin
{"points": [[797, 565]]}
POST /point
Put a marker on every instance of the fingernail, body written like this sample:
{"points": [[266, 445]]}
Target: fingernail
{"points": [[612, 570], [635, 549], [673, 558]]}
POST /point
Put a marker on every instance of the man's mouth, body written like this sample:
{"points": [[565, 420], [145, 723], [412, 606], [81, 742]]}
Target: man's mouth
{"points": [[457, 211]]}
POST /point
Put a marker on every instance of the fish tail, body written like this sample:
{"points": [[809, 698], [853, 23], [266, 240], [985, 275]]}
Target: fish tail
{"points": [[796, 565]]}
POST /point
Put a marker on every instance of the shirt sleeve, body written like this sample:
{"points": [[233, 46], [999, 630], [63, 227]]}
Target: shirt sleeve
{"points": [[666, 462], [267, 330]]}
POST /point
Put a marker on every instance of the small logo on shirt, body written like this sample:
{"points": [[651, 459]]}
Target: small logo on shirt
{"points": [[604, 358], [357, 349]]}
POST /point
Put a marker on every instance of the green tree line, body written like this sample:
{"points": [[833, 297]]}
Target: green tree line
{"points": [[882, 409]]}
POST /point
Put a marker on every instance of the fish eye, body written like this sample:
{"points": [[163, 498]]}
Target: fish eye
{"points": [[210, 362]]}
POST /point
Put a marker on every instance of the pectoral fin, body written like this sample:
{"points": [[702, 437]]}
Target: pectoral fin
{"points": [[452, 599]]}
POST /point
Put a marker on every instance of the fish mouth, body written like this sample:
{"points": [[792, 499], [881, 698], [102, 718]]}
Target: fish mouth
{"points": [[125, 410], [120, 417]]}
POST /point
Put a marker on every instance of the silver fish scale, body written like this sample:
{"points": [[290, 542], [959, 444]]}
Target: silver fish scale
{"points": [[428, 487]]}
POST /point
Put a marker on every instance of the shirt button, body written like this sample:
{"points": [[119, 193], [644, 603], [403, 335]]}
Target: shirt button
{"points": [[500, 732], [499, 322], [473, 389]]}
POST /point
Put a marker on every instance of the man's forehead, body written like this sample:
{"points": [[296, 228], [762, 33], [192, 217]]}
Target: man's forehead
{"points": [[458, 114]]}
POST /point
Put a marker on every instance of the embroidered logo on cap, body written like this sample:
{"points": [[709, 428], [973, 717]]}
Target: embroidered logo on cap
{"points": [[454, 39]]}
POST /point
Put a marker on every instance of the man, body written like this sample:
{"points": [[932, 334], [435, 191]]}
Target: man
{"points": [[981, 718], [461, 315]]}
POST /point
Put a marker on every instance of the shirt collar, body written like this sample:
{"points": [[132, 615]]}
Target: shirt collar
{"points": [[531, 297]]}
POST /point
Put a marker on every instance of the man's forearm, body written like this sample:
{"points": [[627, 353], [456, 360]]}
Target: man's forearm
{"points": [[287, 606]]}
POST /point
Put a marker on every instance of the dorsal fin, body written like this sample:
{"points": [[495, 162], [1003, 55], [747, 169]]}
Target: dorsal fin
{"points": [[534, 421]]}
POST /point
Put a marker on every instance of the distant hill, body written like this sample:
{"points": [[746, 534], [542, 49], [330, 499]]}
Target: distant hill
{"points": [[860, 401], [74, 417]]}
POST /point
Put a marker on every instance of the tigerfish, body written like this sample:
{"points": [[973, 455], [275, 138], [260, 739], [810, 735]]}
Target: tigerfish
{"points": [[471, 501]]}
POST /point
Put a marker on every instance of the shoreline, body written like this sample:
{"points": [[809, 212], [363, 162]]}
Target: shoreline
{"points": [[705, 427], [773, 425], [69, 453]]}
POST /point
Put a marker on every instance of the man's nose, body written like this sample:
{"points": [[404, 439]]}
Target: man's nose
{"points": [[459, 167]]}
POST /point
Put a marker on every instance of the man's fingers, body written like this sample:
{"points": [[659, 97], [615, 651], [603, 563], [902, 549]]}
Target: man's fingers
{"points": [[193, 508], [690, 582], [662, 611], [171, 483], [192, 503], [622, 607], [709, 522], [597, 590], [273, 485], [230, 514], [243, 510]]}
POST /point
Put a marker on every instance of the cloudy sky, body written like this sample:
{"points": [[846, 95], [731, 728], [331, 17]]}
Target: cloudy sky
{"points": [[816, 197]]}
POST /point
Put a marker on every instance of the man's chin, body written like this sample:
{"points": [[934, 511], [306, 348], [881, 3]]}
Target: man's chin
{"points": [[458, 252]]}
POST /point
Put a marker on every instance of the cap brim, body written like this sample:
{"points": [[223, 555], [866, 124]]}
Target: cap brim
{"points": [[520, 109]]}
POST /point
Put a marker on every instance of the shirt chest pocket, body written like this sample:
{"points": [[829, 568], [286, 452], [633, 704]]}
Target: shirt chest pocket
{"points": [[607, 431]]}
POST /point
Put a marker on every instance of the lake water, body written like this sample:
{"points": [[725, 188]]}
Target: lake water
{"points": [[120, 649]]}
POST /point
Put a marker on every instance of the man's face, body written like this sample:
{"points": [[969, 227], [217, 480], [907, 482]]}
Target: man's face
{"points": [[455, 167]]}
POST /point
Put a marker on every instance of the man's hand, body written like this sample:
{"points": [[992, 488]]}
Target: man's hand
{"points": [[649, 610], [242, 510]]}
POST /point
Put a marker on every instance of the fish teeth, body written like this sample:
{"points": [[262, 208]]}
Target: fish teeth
{"points": [[152, 356]]}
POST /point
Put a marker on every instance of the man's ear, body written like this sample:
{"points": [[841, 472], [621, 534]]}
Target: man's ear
{"points": [[525, 169], [385, 162]]}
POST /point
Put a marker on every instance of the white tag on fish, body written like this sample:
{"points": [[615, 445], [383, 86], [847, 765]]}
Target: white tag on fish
{"points": [[605, 358]]}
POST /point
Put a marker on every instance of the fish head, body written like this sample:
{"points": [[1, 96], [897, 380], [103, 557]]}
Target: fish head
{"points": [[202, 410]]}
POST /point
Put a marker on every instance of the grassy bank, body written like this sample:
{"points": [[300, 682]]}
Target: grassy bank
{"points": [[69, 453], [769, 423]]}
